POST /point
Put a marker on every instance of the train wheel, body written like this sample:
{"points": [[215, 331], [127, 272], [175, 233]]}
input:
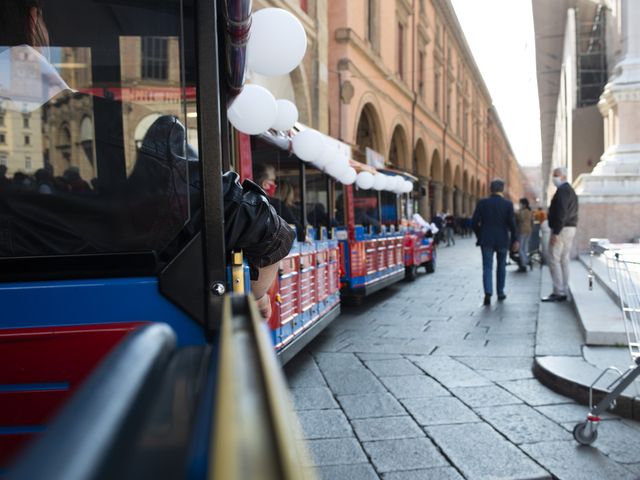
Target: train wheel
{"points": [[411, 272], [430, 266]]}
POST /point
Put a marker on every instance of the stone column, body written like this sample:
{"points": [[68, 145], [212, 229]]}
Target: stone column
{"points": [[610, 195], [437, 197], [424, 208], [458, 206]]}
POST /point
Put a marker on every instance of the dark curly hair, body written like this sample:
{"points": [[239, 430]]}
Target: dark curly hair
{"points": [[17, 25]]}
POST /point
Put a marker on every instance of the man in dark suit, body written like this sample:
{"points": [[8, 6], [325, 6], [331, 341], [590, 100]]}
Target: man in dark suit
{"points": [[495, 227]]}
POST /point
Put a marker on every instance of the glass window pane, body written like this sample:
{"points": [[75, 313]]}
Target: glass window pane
{"points": [[104, 165]]}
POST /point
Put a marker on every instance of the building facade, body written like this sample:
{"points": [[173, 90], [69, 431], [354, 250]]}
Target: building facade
{"points": [[588, 60], [403, 83]]}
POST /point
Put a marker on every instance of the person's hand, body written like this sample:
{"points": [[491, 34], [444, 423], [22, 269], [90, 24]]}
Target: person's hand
{"points": [[264, 306], [553, 239], [515, 246]]}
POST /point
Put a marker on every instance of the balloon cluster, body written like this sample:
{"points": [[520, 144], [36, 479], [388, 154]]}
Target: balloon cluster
{"points": [[332, 156], [325, 153], [277, 45], [380, 181]]}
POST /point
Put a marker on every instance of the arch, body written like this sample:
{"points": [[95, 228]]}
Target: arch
{"points": [[368, 130], [478, 190], [448, 176], [436, 167], [420, 160], [465, 182], [64, 136], [86, 138], [398, 150], [86, 129], [143, 127], [457, 177]]}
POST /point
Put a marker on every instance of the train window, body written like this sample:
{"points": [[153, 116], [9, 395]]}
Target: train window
{"points": [[317, 199], [279, 176], [389, 208], [106, 108], [366, 207]]}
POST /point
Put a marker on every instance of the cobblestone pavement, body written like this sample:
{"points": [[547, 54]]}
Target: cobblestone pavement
{"points": [[422, 382]]}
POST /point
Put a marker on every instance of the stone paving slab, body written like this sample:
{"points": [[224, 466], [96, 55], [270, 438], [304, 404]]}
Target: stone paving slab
{"points": [[302, 372], [370, 405], [568, 413], [617, 440], [313, 398], [404, 454], [324, 424], [568, 461], [346, 374], [336, 451], [414, 386], [449, 371], [439, 410], [392, 368], [443, 473], [485, 396], [387, 346], [479, 452], [533, 392], [386, 428], [522, 424], [361, 471], [378, 356]]}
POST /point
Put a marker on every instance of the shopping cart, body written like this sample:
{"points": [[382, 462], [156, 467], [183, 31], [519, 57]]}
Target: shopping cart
{"points": [[625, 272]]}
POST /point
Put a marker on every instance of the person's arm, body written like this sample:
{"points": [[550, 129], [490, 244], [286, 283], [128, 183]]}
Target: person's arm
{"points": [[511, 225], [476, 221], [260, 287], [252, 224]]}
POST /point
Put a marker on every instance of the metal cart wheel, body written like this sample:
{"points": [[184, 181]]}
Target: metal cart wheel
{"points": [[411, 272], [581, 435]]}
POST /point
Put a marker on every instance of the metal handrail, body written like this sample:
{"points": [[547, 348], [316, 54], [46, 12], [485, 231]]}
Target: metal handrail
{"points": [[256, 432]]}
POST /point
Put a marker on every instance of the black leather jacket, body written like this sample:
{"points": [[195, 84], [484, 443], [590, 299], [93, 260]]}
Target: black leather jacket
{"points": [[563, 211]]}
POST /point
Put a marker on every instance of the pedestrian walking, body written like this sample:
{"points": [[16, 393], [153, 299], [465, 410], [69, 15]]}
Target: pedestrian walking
{"points": [[524, 225], [495, 228], [449, 223], [563, 219]]}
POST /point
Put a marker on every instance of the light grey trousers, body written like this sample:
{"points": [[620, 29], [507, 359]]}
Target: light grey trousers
{"points": [[559, 260]]}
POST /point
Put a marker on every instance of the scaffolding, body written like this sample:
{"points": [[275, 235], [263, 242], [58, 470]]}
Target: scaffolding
{"points": [[591, 57]]}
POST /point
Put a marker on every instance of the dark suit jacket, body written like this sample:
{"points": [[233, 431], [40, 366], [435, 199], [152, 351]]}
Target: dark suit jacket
{"points": [[494, 222]]}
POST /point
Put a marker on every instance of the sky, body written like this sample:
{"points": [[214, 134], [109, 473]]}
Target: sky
{"points": [[500, 35]]}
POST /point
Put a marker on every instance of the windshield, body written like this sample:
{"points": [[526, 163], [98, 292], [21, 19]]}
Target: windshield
{"points": [[96, 130]]}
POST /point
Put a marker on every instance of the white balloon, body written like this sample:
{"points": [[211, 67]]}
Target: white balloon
{"points": [[277, 43], [398, 185], [364, 180], [336, 169], [327, 156], [287, 115], [349, 176], [379, 181], [253, 111], [308, 145]]}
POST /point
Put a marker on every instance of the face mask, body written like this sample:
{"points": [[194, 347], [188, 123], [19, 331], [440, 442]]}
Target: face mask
{"points": [[557, 181], [271, 189]]}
